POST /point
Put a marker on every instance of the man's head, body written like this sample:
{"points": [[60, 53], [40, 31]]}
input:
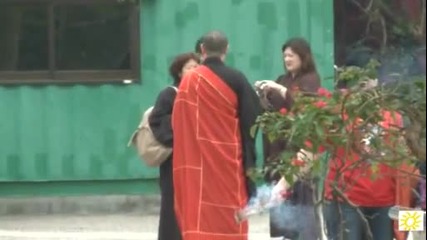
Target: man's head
{"points": [[214, 44]]}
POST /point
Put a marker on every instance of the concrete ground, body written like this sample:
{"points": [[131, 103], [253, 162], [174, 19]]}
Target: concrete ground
{"points": [[97, 227], [100, 227], [92, 218]]}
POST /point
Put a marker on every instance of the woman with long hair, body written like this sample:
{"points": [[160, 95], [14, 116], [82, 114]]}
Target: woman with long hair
{"points": [[300, 75]]}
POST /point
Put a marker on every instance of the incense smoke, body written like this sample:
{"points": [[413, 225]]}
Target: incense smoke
{"points": [[285, 216]]}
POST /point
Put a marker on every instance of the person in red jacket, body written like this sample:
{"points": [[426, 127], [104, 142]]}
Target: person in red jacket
{"points": [[355, 199]]}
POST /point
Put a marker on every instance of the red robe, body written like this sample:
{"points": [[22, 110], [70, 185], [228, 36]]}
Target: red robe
{"points": [[208, 173]]}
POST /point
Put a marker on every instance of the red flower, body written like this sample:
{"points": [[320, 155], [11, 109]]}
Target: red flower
{"points": [[283, 111], [320, 104], [298, 163], [309, 146], [323, 92], [321, 149]]}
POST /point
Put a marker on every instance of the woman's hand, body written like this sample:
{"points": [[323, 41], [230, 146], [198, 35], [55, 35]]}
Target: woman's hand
{"points": [[268, 86], [307, 157]]}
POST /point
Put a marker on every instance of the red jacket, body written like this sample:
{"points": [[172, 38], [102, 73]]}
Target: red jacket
{"points": [[356, 181], [358, 185]]}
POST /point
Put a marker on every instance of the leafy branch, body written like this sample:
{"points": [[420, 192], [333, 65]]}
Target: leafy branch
{"points": [[350, 120]]}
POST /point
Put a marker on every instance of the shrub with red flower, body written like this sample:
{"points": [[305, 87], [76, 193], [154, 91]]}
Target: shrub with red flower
{"points": [[327, 121]]}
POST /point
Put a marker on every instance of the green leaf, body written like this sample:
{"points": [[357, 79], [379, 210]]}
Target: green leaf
{"points": [[319, 130], [316, 168], [271, 137], [254, 130], [277, 125], [289, 178]]}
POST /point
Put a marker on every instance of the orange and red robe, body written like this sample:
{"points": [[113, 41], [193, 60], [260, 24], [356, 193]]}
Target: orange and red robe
{"points": [[209, 153]]}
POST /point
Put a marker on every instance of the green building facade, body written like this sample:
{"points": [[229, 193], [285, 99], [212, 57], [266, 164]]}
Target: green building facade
{"points": [[70, 139]]}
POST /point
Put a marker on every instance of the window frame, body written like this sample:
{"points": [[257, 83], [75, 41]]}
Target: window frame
{"points": [[52, 76]]}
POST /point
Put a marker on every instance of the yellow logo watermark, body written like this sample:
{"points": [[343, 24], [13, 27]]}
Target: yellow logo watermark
{"points": [[411, 221]]}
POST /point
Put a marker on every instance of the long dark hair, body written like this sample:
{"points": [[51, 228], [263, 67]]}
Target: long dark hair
{"points": [[301, 47], [178, 63]]}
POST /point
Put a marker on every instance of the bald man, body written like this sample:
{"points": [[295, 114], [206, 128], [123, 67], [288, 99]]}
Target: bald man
{"points": [[213, 112]]}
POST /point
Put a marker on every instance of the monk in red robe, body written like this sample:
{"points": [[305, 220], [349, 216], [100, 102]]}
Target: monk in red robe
{"points": [[213, 112]]}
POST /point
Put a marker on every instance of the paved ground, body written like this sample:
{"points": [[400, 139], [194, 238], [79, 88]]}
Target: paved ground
{"points": [[100, 227]]}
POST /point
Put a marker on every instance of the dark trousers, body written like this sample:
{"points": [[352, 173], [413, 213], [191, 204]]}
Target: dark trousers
{"points": [[344, 220], [168, 227]]}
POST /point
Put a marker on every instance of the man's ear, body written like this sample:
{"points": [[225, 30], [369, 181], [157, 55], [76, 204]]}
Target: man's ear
{"points": [[202, 49]]}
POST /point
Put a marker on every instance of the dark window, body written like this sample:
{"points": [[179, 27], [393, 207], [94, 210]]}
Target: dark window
{"points": [[68, 41]]}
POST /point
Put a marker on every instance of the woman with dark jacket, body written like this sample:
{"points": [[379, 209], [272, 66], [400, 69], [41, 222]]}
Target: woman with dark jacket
{"points": [[160, 124], [301, 75]]}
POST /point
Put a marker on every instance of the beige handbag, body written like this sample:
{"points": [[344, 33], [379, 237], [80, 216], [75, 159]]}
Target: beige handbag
{"points": [[149, 149]]}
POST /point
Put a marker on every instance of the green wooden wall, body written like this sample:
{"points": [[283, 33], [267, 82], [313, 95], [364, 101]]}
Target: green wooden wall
{"points": [[75, 136]]}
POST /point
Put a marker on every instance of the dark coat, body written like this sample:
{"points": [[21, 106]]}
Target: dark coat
{"points": [[302, 191], [160, 124], [308, 83]]}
